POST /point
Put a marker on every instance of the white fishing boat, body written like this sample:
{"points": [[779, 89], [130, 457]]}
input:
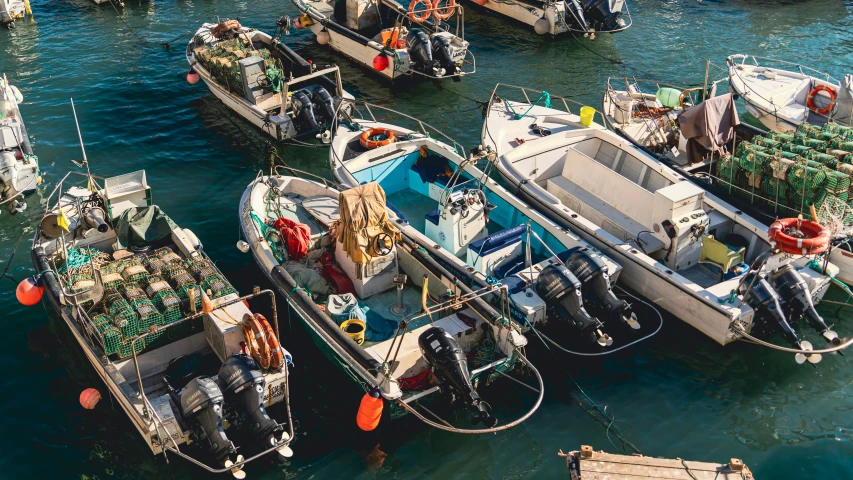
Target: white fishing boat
{"points": [[393, 39], [574, 17], [378, 306], [19, 168], [160, 324], [11, 10], [782, 95], [558, 286], [264, 81], [685, 249]]}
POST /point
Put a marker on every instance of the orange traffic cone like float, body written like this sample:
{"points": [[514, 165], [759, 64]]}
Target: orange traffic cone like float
{"points": [[370, 411]]}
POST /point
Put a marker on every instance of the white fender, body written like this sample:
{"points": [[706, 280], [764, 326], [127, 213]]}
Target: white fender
{"points": [[196, 243], [12, 91]]}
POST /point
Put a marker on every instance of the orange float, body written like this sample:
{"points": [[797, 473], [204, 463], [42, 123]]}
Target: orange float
{"points": [[446, 12], [369, 411], [89, 398], [424, 14], [29, 292], [276, 353], [832, 97], [368, 138], [817, 241]]}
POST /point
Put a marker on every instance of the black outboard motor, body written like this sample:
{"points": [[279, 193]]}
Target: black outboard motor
{"points": [[303, 110], [595, 285], [324, 106], [561, 291], [797, 300], [441, 52], [201, 404], [604, 15], [450, 367], [420, 49], [242, 384]]}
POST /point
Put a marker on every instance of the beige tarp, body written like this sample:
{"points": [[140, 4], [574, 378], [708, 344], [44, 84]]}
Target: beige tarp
{"points": [[363, 217]]}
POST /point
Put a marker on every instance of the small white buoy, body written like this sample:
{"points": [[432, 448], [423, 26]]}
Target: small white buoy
{"points": [[243, 246], [323, 37], [542, 26]]}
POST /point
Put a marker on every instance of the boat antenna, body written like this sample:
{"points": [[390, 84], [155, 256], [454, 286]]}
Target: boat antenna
{"points": [[82, 147]]}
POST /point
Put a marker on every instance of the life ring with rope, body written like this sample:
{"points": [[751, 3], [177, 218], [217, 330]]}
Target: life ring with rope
{"points": [[817, 241], [256, 341], [276, 352], [446, 12], [377, 137], [832, 97], [424, 14]]}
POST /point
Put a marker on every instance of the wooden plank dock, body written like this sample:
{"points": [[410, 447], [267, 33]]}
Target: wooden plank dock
{"points": [[587, 464]]}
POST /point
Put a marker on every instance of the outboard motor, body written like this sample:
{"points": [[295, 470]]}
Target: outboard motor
{"points": [[9, 181], [450, 367], [441, 52], [420, 49], [242, 384], [604, 15], [303, 110], [595, 285], [324, 106], [797, 299], [201, 404], [766, 303], [561, 291]]}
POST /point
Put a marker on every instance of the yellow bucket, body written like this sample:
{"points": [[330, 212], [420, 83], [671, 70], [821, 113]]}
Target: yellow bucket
{"points": [[587, 113], [354, 329]]}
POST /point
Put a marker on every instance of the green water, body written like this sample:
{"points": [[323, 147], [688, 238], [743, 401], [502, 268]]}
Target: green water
{"points": [[683, 395]]}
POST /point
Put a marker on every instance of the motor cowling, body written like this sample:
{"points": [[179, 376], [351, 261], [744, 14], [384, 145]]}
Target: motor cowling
{"points": [[201, 405], [562, 292], [303, 111], [442, 54], [604, 15], [796, 298], [450, 367], [324, 106], [242, 385], [594, 276], [420, 51]]}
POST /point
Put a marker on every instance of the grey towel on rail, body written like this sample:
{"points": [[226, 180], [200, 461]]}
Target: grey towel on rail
{"points": [[843, 113], [711, 124]]}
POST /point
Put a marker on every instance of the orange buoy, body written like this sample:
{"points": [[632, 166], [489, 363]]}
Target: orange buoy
{"points": [[89, 398], [480, 2], [370, 411], [29, 292], [192, 77], [380, 62]]}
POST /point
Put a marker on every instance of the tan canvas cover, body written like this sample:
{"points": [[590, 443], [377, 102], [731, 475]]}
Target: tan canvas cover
{"points": [[363, 216]]}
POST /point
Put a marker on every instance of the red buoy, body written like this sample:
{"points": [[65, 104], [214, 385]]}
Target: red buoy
{"points": [[192, 77], [370, 411], [480, 2], [89, 398], [380, 62], [29, 292]]}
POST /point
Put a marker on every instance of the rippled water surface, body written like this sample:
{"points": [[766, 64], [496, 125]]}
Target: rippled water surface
{"points": [[682, 395]]}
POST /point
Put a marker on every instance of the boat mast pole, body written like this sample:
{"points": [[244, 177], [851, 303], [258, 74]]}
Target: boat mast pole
{"points": [[82, 147], [705, 85]]}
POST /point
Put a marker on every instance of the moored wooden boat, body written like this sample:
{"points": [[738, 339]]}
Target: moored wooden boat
{"points": [[19, 168]]}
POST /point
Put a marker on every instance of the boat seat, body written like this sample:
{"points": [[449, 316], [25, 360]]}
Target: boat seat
{"points": [[612, 220], [409, 359], [432, 217], [718, 254], [493, 250]]}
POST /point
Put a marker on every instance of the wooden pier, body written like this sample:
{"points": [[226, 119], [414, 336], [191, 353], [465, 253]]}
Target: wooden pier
{"points": [[586, 464]]}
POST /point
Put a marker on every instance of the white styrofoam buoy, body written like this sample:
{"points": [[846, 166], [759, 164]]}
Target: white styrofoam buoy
{"points": [[243, 246], [323, 37], [542, 26]]}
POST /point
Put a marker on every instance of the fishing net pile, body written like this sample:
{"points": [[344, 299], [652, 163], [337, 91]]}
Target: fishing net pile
{"points": [[143, 293], [790, 172], [221, 60]]}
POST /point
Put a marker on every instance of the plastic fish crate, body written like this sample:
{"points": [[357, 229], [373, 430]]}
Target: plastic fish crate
{"points": [[110, 337], [124, 349]]}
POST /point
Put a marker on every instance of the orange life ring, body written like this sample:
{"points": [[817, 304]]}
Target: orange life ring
{"points": [[256, 341], [446, 12], [818, 240], [424, 15], [832, 97], [368, 141], [276, 353]]}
